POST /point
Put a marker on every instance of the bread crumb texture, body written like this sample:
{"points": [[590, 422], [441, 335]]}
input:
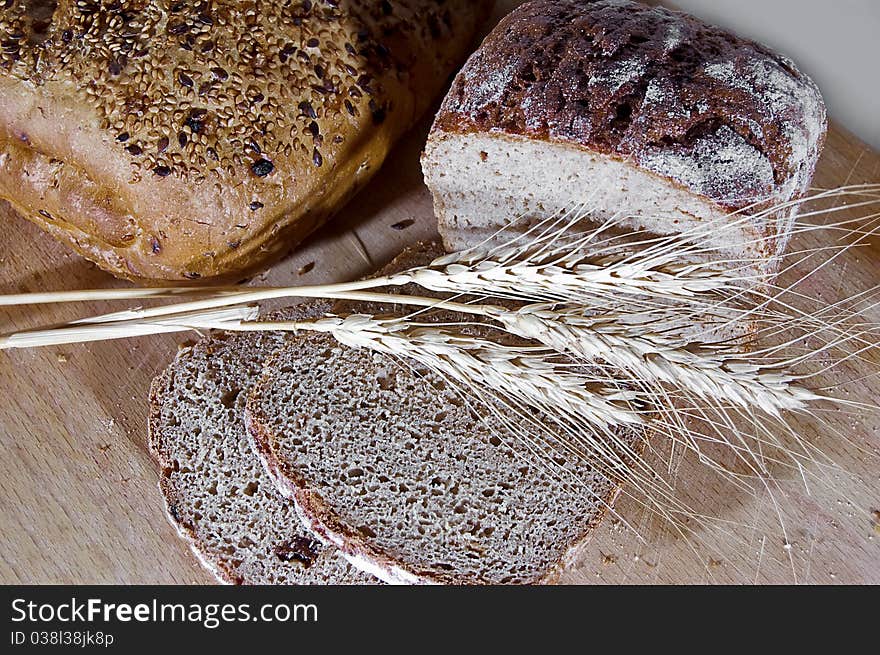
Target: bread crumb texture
{"points": [[216, 492], [407, 472], [725, 117]]}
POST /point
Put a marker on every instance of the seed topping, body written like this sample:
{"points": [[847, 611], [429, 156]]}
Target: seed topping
{"points": [[186, 87]]}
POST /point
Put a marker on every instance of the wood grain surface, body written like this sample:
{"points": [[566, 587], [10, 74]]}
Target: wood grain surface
{"points": [[78, 490]]}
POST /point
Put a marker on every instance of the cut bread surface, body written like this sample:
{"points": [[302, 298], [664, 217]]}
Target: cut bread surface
{"points": [[484, 182], [393, 465], [216, 492]]}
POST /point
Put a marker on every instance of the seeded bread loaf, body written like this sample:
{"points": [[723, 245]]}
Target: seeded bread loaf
{"points": [[641, 113], [387, 462], [193, 140], [216, 492]]}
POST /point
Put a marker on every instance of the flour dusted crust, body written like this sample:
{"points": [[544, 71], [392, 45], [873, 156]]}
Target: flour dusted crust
{"points": [[173, 140], [721, 116]]}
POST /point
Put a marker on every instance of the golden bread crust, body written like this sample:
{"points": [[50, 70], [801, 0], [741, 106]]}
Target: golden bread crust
{"points": [[182, 141]]}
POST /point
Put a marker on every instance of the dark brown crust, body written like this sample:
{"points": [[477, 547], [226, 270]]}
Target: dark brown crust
{"points": [[214, 167], [646, 85]]}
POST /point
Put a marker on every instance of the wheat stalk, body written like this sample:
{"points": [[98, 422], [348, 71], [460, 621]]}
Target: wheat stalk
{"points": [[567, 280], [609, 338], [213, 319], [579, 408], [527, 372], [718, 373]]}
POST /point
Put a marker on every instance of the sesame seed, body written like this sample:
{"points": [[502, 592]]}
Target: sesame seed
{"points": [[162, 171]]}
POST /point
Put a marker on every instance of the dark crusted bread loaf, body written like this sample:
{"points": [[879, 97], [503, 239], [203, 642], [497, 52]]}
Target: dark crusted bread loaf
{"points": [[636, 111], [216, 492], [386, 461], [191, 140]]}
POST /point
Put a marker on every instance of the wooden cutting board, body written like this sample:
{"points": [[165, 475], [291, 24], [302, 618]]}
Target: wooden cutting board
{"points": [[78, 490]]}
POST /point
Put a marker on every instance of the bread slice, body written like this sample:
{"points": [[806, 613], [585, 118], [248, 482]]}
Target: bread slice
{"points": [[389, 463], [197, 140], [216, 492], [627, 111]]}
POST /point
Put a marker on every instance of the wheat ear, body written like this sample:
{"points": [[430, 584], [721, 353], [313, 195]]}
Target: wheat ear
{"points": [[529, 372]]}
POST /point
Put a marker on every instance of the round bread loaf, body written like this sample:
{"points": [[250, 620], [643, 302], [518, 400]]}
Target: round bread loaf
{"points": [[643, 113], [190, 140]]}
